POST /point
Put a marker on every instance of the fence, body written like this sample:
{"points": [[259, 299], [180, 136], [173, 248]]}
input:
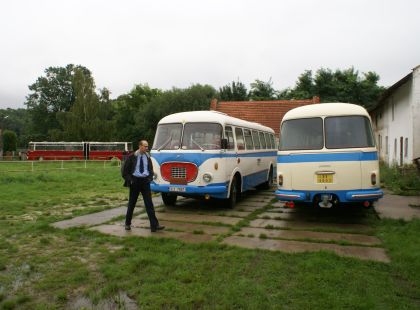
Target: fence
{"points": [[48, 165]]}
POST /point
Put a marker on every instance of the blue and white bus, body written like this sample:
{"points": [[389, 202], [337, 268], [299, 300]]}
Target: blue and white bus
{"points": [[327, 155], [212, 155]]}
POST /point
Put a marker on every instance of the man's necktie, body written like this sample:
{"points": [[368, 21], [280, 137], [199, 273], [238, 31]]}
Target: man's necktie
{"points": [[141, 164]]}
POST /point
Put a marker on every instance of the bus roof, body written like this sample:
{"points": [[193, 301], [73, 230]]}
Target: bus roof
{"points": [[325, 109], [211, 117]]}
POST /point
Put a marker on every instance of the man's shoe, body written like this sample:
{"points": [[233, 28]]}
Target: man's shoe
{"points": [[127, 227], [157, 228]]}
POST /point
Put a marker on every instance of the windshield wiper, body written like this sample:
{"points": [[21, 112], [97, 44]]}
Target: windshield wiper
{"points": [[165, 144], [196, 143]]}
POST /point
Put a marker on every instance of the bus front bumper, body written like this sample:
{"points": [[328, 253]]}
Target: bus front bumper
{"points": [[218, 190], [344, 196]]}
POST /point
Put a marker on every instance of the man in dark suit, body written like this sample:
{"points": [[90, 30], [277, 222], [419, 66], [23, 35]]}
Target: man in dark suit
{"points": [[138, 173]]}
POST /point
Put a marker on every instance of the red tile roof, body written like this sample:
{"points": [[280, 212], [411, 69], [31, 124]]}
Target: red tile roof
{"points": [[268, 113]]}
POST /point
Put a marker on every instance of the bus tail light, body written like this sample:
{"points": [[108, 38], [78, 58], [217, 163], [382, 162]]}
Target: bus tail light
{"points": [[280, 178], [373, 178]]}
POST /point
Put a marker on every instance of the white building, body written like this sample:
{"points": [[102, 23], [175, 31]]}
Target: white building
{"points": [[396, 121]]}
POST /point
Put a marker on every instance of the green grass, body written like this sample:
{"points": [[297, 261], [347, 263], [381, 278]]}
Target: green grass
{"points": [[46, 268]]}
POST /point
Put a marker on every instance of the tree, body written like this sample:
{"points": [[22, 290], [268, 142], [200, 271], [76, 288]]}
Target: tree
{"points": [[9, 141], [129, 112], [50, 95], [261, 90], [337, 86], [236, 91], [87, 119]]}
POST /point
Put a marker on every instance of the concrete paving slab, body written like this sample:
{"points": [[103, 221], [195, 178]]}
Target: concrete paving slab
{"points": [[282, 210], [398, 207], [187, 227], [365, 253], [196, 218], [302, 234], [276, 215], [253, 204], [262, 223], [234, 213], [213, 211], [94, 218], [257, 199], [118, 230], [279, 204], [246, 209]]}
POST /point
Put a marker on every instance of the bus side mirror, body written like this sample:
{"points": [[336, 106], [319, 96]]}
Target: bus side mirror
{"points": [[224, 144]]}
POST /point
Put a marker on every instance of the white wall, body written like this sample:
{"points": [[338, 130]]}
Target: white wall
{"points": [[415, 107]]}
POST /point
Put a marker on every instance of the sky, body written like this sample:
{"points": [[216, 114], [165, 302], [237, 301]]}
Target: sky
{"points": [[177, 43]]}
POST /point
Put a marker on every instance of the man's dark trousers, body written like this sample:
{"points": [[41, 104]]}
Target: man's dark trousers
{"points": [[141, 185]]}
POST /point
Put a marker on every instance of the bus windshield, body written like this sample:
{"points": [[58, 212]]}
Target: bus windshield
{"points": [[168, 137], [302, 134], [348, 132], [202, 136]]}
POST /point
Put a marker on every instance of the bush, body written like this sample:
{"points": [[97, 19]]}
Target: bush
{"points": [[9, 141], [403, 180]]}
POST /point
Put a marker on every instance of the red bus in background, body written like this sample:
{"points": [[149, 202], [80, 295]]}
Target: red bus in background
{"points": [[78, 150]]}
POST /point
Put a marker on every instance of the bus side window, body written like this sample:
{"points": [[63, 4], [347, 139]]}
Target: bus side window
{"points": [[229, 137], [273, 141], [267, 140], [262, 140], [248, 139], [239, 139], [256, 140]]}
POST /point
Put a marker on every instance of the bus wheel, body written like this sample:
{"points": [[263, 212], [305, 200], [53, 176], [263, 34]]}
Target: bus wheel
{"points": [[169, 199], [233, 194]]}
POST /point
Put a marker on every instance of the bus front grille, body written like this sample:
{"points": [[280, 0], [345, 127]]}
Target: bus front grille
{"points": [[178, 172]]}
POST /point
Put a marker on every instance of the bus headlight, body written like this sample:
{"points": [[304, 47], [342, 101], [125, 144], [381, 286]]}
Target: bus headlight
{"points": [[154, 176], [207, 177], [280, 179], [373, 178]]}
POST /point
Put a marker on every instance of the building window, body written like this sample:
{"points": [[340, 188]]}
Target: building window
{"points": [[386, 145], [406, 147], [379, 143], [395, 149]]}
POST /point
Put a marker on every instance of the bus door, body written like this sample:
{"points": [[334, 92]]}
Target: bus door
{"points": [[230, 162], [86, 150]]}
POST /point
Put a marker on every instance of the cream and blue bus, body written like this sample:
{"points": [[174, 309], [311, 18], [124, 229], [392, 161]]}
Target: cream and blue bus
{"points": [[212, 155], [327, 156]]}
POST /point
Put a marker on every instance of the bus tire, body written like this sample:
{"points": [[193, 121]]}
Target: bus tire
{"points": [[233, 194], [169, 199]]}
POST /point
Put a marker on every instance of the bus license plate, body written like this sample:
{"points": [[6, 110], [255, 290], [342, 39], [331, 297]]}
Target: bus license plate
{"points": [[177, 189], [324, 178]]}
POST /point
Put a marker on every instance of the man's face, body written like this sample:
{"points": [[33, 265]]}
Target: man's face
{"points": [[143, 147]]}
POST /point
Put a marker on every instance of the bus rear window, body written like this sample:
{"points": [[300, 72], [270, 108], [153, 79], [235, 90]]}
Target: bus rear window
{"points": [[302, 134], [348, 132]]}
